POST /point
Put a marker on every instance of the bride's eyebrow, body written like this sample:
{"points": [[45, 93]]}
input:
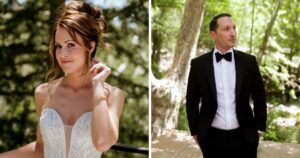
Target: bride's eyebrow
{"points": [[65, 41], [69, 41]]}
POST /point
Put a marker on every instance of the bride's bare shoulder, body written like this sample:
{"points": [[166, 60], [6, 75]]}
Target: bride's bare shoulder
{"points": [[42, 92]]}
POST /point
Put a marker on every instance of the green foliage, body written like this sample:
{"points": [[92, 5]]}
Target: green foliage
{"points": [[25, 29], [279, 133], [280, 66], [166, 18], [279, 74], [23, 47], [182, 119], [120, 154]]}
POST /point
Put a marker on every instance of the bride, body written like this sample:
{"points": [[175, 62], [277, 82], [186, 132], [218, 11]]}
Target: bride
{"points": [[78, 112]]}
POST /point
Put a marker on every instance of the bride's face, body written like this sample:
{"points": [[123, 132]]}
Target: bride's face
{"points": [[70, 55]]}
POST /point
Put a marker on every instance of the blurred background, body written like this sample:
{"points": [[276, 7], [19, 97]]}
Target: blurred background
{"points": [[268, 29], [25, 26]]}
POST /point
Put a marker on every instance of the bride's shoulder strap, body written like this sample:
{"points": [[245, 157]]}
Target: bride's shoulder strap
{"points": [[41, 95]]}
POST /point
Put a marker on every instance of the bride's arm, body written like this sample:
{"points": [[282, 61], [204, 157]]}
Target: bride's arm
{"points": [[30, 150], [33, 149], [105, 122]]}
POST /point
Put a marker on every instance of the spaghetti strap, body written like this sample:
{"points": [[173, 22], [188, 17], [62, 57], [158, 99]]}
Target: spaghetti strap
{"points": [[49, 91], [51, 88], [49, 98]]}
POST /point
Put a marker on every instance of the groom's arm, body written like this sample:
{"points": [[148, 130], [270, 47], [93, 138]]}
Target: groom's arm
{"points": [[192, 99], [259, 97]]}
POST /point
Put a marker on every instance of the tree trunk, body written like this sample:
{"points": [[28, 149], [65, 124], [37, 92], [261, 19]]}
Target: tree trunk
{"points": [[268, 31], [169, 92]]}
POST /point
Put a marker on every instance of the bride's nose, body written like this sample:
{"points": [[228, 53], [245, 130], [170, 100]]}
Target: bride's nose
{"points": [[64, 52]]}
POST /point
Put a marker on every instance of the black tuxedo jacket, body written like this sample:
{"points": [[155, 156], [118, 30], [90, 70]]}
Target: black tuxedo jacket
{"points": [[201, 87]]}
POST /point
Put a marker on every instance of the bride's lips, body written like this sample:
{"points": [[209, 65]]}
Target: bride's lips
{"points": [[67, 61]]}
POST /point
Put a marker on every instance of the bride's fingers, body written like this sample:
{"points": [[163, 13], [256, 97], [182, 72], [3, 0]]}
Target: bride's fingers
{"points": [[100, 72], [91, 70], [95, 61], [102, 76], [98, 68], [94, 67]]}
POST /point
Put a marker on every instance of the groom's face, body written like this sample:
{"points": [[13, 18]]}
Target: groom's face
{"points": [[225, 34]]}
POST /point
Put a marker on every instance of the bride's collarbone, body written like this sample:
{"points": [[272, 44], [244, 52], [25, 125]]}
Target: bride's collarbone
{"points": [[73, 106], [74, 94], [70, 95], [69, 115], [67, 102], [70, 110]]}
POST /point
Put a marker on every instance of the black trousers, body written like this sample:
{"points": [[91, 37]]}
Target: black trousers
{"points": [[227, 144]]}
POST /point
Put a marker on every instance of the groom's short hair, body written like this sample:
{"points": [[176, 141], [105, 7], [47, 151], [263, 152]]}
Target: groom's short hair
{"points": [[213, 25]]}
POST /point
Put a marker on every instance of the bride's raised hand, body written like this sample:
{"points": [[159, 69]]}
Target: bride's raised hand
{"points": [[100, 73]]}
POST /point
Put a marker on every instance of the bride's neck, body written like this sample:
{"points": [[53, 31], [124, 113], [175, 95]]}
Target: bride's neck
{"points": [[76, 82]]}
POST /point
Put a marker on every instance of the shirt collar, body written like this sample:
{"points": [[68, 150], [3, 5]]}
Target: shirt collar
{"points": [[229, 50]]}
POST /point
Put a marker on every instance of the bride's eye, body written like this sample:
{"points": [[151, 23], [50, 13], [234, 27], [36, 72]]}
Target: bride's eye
{"points": [[70, 45], [57, 46]]}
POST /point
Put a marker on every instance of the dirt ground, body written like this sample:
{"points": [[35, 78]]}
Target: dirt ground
{"points": [[178, 144]]}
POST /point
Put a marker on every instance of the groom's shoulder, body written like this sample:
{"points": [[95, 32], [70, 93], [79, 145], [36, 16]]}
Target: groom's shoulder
{"points": [[201, 58], [243, 54]]}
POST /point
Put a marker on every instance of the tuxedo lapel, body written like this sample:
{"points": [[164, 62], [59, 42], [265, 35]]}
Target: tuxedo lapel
{"points": [[210, 72], [239, 74]]}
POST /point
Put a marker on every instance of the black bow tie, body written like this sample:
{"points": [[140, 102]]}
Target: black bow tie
{"points": [[226, 56]]}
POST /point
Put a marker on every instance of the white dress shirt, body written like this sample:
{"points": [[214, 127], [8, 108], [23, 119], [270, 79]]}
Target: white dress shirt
{"points": [[225, 80]]}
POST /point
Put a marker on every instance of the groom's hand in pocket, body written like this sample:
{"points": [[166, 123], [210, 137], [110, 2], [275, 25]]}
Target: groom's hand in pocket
{"points": [[196, 139]]}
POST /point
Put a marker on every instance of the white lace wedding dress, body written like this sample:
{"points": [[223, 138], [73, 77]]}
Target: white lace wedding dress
{"points": [[66, 141]]}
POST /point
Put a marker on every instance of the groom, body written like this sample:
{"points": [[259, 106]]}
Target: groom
{"points": [[224, 124]]}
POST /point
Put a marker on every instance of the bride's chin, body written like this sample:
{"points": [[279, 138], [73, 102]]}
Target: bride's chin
{"points": [[67, 71], [75, 73]]}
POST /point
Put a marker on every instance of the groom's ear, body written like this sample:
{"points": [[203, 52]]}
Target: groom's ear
{"points": [[213, 35]]}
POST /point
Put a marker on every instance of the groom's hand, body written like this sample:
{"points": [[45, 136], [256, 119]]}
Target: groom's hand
{"points": [[260, 133], [196, 139]]}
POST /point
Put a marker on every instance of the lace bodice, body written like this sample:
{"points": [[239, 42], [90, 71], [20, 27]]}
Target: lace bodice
{"points": [[56, 136]]}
